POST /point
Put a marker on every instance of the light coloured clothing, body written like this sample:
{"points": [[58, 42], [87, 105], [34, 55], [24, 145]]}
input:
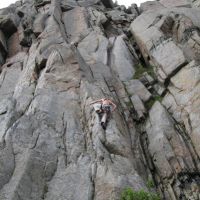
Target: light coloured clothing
{"points": [[97, 107]]}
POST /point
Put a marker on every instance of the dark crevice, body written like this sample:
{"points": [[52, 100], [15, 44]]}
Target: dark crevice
{"points": [[167, 80], [110, 30], [64, 140], [188, 142], [144, 141], [107, 3]]}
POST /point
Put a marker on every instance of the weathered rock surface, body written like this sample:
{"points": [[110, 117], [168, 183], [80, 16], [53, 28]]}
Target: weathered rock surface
{"points": [[56, 57], [52, 146], [167, 145], [185, 93], [150, 5], [122, 60], [135, 87], [165, 36], [176, 3]]}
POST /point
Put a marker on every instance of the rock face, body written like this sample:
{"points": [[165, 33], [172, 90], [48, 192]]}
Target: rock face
{"points": [[56, 57], [165, 37]]}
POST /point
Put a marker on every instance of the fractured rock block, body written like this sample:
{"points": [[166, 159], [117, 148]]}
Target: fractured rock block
{"points": [[8, 80], [133, 9], [87, 3], [185, 90], [147, 79], [40, 3], [95, 51], [13, 45], [187, 78], [169, 58], [122, 60], [38, 25], [68, 5], [139, 106], [159, 89], [7, 164], [97, 18], [117, 16], [166, 145], [146, 35], [135, 87], [150, 5], [78, 15]]}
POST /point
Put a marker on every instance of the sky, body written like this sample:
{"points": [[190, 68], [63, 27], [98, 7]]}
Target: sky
{"points": [[5, 3], [129, 2]]}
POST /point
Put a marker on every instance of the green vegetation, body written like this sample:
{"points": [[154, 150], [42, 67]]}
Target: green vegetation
{"points": [[150, 103], [140, 69], [150, 184], [129, 194], [129, 104]]}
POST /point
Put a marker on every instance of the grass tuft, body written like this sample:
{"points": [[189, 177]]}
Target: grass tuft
{"points": [[150, 184], [150, 103], [140, 69], [129, 194]]}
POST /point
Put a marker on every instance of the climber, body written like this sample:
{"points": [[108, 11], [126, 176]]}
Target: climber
{"points": [[106, 107]]}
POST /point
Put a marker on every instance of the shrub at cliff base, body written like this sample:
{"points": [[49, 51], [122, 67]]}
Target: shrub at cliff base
{"points": [[129, 194]]}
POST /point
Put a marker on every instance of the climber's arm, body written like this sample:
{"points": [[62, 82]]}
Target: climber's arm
{"points": [[114, 106], [97, 101]]}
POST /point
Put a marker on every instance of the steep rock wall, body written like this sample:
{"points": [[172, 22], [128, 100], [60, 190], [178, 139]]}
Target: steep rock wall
{"points": [[56, 58]]}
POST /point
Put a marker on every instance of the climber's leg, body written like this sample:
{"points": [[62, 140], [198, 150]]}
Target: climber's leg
{"points": [[104, 120]]}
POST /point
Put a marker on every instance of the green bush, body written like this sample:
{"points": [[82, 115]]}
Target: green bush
{"points": [[150, 103], [150, 184], [140, 69], [129, 194]]}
